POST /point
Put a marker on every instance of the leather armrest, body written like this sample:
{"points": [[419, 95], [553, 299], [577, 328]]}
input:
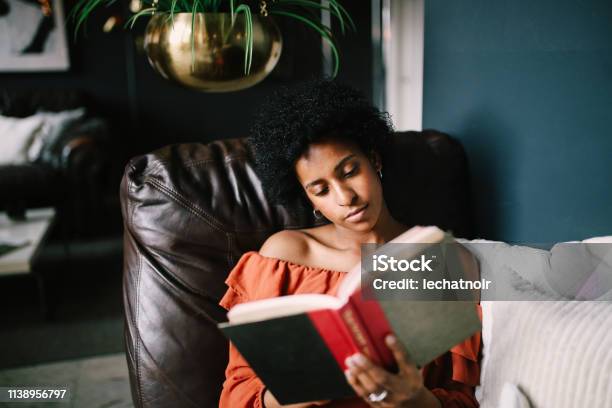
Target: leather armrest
{"points": [[81, 148], [81, 156]]}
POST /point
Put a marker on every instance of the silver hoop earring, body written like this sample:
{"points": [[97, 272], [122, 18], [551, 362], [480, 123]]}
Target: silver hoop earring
{"points": [[380, 174], [320, 214]]}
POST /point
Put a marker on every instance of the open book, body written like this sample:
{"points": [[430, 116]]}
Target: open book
{"points": [[297, 344]]}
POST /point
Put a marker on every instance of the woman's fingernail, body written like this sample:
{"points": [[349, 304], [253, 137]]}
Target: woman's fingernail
{"points": [[390, 339], [349, 361], [359, 358]]}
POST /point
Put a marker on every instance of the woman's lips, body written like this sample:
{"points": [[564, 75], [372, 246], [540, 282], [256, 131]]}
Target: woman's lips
{"points": [[358, 215]]}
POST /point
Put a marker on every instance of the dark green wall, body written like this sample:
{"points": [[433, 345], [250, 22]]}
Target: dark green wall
{"points": [[527, 87]]}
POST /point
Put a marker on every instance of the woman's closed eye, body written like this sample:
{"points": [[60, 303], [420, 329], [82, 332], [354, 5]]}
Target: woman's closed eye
{"points": [[346, 175], [351, 172], [321, 192]]}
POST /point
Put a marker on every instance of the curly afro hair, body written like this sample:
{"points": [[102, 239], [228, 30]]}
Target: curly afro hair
{"points": [[295, 117]]}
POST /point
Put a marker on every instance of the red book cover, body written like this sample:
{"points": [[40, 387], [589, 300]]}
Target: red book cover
{"points": [[358, 326]]}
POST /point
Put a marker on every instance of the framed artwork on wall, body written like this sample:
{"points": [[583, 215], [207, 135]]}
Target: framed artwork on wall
{"points": [[32, 36]]}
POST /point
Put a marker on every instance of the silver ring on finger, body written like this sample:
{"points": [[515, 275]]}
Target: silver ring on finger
{"points": [[378, 397]]}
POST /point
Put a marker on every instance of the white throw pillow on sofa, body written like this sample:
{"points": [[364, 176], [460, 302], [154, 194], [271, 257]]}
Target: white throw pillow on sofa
{"points": [[559, 353], [583, 270], [512, 397], [16, 136], [54, 125]]}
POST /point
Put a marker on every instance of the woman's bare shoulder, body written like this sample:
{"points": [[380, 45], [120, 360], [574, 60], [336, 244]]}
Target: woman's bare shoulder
{"points": [[288, 245]]}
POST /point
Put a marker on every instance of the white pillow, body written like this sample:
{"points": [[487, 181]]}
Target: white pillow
{"points": [[583, 270], [54, 125], [513, 397], [558, 352], [16, 136]]}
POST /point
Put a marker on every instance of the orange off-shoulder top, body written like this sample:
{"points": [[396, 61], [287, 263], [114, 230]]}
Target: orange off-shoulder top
{"points": [[450, 377]]}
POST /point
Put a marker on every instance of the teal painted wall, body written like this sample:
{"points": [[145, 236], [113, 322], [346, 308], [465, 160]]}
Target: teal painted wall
{"points": [[527, 87]]}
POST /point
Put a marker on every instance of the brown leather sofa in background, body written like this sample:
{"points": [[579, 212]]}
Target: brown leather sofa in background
{"points": [[191, 210]]}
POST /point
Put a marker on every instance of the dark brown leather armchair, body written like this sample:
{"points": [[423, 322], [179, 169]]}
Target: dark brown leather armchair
{"points": [[191, 210]]}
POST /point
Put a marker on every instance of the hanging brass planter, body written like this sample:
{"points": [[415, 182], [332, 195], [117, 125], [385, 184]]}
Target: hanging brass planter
{"points": [[218, 50]]}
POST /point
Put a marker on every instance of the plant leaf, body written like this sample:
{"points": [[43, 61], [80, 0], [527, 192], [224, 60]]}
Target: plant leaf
{"points": [[320, 29], [132, 20], [346, 14], [313, 4], [172, 11], [87, 7], [248, 50], [193, 19]]}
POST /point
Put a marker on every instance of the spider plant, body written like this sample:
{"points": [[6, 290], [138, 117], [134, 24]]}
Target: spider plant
{"points": [[306, 12]]}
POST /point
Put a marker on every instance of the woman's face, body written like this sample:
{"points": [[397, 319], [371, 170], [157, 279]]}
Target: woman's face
{"points": [[339, 179]]}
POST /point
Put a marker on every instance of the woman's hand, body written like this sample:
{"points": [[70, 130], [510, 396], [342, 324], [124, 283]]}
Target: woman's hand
{"points": [[271, 402], [404, 389]]}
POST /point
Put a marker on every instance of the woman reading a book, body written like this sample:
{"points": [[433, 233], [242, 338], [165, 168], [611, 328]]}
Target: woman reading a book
{"points": [[320, 144]]}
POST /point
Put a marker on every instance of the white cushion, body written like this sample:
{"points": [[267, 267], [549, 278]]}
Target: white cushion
{"points": [[513, 397], [558, 352], [16, 136], [23, 139], [54, 125]]}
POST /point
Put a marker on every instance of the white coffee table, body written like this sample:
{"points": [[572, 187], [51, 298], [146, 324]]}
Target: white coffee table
{"points": [[33, 229]]}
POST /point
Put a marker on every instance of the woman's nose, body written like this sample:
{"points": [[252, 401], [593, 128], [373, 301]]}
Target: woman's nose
{"points": [[346, 196]]}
